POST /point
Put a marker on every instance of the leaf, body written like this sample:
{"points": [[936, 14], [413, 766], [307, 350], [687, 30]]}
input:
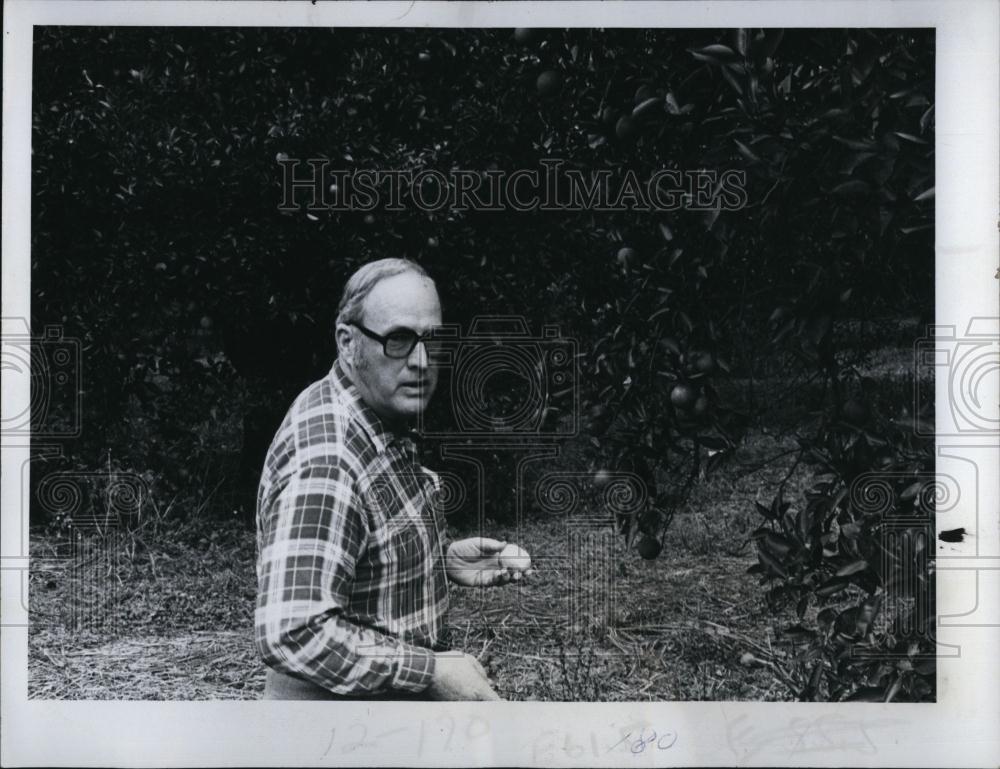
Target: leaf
{"points": [[742, 39], [851, 189], [826, 618], [728, 77], [925, 119], [715, 459], [716, 52], [818, 328], [771, 563], [927, 194], [746, 152], [911, 491], [852, 568], [646, 106], [776, 544], [806, 521], [909, 137], [832, 587], [855, 145], [798, 633], [713, 442], [765, 511], [776, 509], [890, 695]]}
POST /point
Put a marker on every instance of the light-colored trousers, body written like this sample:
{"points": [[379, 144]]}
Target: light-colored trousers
{"points": [[281, 686]]}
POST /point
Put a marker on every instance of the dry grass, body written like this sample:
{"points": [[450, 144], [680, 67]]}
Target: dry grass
{"points": [[172, 619]]}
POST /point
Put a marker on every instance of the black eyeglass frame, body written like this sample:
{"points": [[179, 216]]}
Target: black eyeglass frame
{"points": [[384, 339]]}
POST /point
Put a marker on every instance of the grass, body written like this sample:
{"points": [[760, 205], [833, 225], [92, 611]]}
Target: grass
{"points": [[168, 615], [166, 611]]}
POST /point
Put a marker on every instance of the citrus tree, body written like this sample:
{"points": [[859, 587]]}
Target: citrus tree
{"points": [[203, 309]]}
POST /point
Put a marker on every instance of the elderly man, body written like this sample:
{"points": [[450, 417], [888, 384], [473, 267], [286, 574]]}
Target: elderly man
{"points": [[352, 569]]}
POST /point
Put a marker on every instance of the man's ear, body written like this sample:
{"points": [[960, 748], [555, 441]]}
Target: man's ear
{"points": [[345, 343]]}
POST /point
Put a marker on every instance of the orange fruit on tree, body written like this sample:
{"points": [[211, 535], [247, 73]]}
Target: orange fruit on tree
{"points": [[684, 395], [549, 83]]}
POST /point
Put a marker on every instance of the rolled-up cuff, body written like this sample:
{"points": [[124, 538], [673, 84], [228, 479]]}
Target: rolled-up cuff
{"points": [[415, 669]]}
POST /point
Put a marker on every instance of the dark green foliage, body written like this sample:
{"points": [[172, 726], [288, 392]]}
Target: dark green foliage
{"points": [[203, 309], [859, 550]]}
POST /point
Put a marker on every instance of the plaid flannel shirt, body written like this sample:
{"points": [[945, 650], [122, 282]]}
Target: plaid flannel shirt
{"points": [[352, 592]]}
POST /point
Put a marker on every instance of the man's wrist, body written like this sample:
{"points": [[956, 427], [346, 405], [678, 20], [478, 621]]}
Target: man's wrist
{"points": [[415, 669]]}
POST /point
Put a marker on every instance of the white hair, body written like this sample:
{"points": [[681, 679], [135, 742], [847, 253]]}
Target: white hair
{"points": [[361, 283]]}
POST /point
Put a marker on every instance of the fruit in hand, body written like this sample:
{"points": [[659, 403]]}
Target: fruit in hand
{"points": [[515, 558]]}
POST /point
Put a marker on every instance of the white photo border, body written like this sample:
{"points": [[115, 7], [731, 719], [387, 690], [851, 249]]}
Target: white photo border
{"points": [[960, 729]]}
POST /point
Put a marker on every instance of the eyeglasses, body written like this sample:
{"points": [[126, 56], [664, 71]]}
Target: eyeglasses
{"points": [[402, 341]]}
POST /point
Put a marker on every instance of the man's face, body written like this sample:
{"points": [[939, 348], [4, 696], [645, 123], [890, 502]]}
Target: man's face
{"points": [[397, 389]]}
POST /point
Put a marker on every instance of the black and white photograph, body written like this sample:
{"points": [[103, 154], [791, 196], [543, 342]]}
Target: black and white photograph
{"points": [[553, 357]]}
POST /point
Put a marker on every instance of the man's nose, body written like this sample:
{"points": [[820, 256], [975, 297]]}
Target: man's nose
{"points": [[418, 356]]}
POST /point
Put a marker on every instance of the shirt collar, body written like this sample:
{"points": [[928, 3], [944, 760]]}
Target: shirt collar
{"points": [[366, 417]]}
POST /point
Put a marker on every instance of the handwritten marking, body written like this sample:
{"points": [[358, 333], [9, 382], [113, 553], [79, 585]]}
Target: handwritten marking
{"points": [[458, 734], [333, 735], [825, 733], [383, 735], [472, 722]]}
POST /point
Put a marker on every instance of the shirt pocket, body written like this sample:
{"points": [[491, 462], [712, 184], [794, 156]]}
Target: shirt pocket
{"points": [[396, 507]]}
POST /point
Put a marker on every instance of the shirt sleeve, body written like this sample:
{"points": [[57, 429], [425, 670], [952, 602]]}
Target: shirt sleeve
{"points": [[311, 542]]}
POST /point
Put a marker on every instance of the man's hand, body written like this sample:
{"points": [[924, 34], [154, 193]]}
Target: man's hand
{"points": [[460, 677], [475, 562]]}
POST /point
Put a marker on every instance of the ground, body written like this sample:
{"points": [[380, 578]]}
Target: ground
{"points": [[168, 613], [174, 610]]}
